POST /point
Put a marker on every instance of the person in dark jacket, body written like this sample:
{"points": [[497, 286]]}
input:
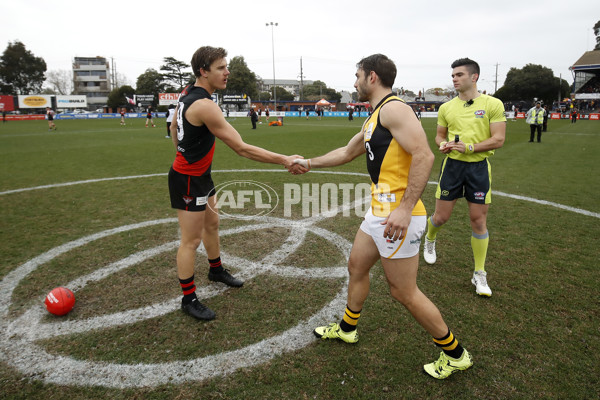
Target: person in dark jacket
{"points": [[253, 118]]}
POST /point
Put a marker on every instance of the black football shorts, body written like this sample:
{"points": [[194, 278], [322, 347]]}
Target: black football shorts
{"points": [[188, 192], [471, 180]]}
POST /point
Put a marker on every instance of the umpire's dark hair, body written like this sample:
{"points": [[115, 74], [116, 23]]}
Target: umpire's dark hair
{"points": [[471, 65], [382, 66], [204, 57]]}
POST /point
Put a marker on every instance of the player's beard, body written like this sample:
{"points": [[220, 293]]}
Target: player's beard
{"points": [[362, 92]]}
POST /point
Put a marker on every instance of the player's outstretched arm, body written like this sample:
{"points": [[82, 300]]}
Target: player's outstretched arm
{"points": [[339, 156], [207, 112]]}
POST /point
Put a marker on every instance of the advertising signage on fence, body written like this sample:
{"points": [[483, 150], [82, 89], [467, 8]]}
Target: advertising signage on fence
{"points": [[7, 103], [78, 101], [144, 99], [234, 98], [166, 99], [35, 101], [25, 117]]}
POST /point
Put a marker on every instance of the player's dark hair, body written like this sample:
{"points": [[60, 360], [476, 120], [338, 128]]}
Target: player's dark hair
{"points": [[382, 66], [205, 56], [471, 65]]}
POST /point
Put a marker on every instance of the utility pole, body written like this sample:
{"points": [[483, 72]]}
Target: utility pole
{"points": [[559, 86], [301, 81], [273, 24], [113, 73], [496, 80]]}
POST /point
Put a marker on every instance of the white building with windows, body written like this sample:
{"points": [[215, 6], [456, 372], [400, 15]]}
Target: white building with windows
{"points": [[91, 77]]}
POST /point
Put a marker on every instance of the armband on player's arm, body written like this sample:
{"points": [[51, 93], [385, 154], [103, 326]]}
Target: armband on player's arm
{"points": [[304, 163], [469, 148]]}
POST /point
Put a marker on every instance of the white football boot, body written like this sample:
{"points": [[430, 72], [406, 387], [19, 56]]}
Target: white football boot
{"points": [[429, 251], [480, 281]]}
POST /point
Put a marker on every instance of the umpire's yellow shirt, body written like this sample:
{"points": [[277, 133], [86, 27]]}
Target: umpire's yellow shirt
{"points": [[471, 122]]}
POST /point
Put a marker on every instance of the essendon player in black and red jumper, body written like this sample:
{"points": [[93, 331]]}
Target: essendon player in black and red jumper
{"points": [[199, 121], [190, 183]]}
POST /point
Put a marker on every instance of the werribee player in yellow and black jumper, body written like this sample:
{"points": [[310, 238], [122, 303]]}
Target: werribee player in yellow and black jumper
{"points": [[388, 165], [399, 162]]}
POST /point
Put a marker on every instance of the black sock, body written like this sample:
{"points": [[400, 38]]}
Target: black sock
{"points": [[189, 289], [216, 267]]}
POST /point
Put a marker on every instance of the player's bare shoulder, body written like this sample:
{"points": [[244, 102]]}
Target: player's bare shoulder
{"points": [[202, 110], [396, 114]]}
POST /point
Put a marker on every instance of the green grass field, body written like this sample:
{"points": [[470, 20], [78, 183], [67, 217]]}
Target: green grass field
{"points": [[114, 240]]}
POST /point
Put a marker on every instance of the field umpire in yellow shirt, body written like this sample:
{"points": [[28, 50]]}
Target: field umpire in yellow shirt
{"points": [[470, 127]]}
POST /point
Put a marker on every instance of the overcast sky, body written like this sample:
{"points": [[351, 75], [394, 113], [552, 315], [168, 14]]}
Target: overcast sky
{"points": [[422, 37]]}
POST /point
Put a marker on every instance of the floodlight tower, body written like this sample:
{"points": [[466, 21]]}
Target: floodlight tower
{"points": [[273, 24]]}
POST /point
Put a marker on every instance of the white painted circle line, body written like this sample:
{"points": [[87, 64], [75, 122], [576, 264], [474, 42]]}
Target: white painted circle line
{"points": [[18, 339]]}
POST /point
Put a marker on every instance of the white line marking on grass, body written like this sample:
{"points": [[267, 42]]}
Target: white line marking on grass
{"points": [[18, 336], [517, 197], [543, 202], [17, 342], [58, 185], [549, 203]]}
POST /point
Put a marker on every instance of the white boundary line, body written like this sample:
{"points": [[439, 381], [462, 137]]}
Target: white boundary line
{"points": [[513, 196]]}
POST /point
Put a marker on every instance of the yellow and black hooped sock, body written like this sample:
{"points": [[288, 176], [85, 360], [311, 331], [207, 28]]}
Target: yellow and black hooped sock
{"points": [[189, 289], [216, 267], [349, 320], [449, 345]]}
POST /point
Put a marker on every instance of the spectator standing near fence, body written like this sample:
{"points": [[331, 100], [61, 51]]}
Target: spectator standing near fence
{"points": [[573, 116], [535, 119], [253, 118]]}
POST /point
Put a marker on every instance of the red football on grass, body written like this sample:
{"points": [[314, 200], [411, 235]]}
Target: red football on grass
{"points": [[60, 301]]}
